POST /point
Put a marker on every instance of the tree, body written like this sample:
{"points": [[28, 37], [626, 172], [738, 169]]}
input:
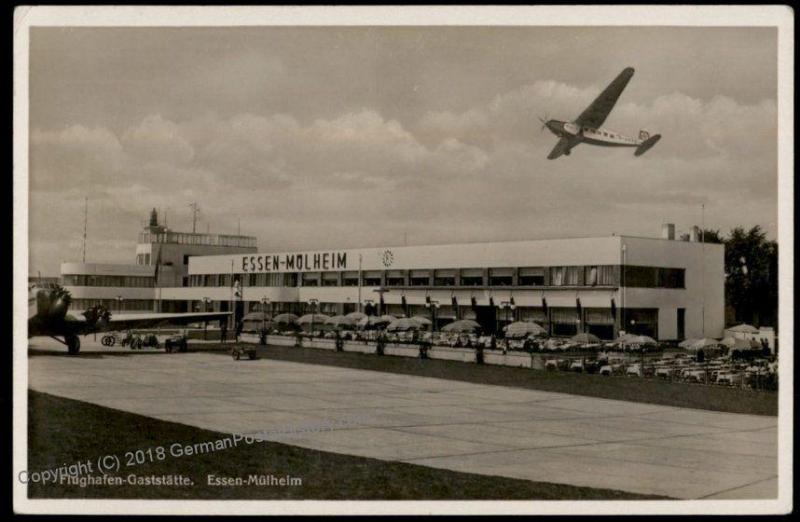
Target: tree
{"points": [[712, 236], [751, 266]]}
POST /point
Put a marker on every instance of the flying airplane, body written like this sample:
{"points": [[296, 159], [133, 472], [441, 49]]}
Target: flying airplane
{"points": [[48, 305], [586, 127]]}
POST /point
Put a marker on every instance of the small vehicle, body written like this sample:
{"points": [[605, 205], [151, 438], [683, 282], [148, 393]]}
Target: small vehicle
{"points": [[693, 375], [238, 350], [576, 366], [606, 370], [108, 340], [729, 379], [551, 364], [665, 372], [634, 369], [176, 342]]}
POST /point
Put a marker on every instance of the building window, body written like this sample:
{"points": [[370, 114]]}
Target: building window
{"points": [[652, 277], [571, 276], [330, 279], [419, 281], [395, 281], [564, 321], [591, 276], [500, 280], [672, 277], [607, 275], [444, 281], [471, 280], [185, 259], [349, 278], [311, 279], [531, 277]]}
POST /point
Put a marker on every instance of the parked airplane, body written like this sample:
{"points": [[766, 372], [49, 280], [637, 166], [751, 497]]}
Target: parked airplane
{"points": [[47, 316], [586, 128]]}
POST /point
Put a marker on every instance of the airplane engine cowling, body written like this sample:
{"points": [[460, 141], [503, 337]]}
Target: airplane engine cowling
{"points": [[647, 145]]}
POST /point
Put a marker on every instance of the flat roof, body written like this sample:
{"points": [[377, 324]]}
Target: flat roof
{"points": [[602, 250]]}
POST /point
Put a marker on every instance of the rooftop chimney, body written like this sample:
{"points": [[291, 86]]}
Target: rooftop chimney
{"points": [[668, 231], [694, 234]]}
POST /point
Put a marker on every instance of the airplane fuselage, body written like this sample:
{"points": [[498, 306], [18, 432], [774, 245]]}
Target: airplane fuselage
{"points": [[600, 136]]}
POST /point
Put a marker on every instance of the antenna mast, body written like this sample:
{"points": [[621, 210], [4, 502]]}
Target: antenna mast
{"points": [[195, 210], [85, 219]]}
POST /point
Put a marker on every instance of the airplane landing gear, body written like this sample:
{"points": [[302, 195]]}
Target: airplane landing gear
{"points": [[73, 343]]}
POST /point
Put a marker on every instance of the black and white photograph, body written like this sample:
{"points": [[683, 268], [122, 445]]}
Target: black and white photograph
{"points": [[396, 260]]}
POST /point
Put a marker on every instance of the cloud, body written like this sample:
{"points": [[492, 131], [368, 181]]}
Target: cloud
{"points": [[157, 139], [361, 178], [75, 155]]}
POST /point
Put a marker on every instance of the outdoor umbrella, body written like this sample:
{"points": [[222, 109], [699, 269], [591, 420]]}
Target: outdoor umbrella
{"points": [[373, 321], [585, 338], [701, 344], [341, 321], [643, 339], [626, 339], [421, 319], [462, 326], [403, 324], [356, 316], [255, 321], [523, 329], [312, 318], [688, 343], [285, 319], [744, 328], [315, 321], [735, 343]]}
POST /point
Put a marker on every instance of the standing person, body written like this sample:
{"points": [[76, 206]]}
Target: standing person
{"points": [[528, 344], [238, 330], [223, 330]]}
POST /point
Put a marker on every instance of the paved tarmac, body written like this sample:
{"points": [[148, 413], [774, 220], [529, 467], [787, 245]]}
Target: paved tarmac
{"points": [[493, 430]]}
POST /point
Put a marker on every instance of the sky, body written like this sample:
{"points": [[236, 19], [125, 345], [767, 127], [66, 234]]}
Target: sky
{"points": [[341, 137]]}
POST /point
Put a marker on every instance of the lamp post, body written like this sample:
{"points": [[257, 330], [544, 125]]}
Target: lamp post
{"points": [[508, 305], [432, 305], [313, 303], [264, 302], [641, 346], [622, 281], [380, 291], [206, 302]]}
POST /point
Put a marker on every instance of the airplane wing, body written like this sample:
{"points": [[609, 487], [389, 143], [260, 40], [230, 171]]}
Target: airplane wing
{"points": [[562, 146], [126, 321], [598, 111], [116, 322]]}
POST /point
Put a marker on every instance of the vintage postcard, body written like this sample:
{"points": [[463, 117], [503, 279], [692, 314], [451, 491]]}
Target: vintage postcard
{"points": [[396, 260]]}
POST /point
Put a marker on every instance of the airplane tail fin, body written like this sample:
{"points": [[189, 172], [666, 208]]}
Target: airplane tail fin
{"points": [[648, 143]]}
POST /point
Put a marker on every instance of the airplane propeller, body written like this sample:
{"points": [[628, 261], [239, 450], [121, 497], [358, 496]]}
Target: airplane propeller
{"points": [[544, 122]]}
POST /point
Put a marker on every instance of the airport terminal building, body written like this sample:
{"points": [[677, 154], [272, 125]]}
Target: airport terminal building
{"points": [[667, 288]]}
